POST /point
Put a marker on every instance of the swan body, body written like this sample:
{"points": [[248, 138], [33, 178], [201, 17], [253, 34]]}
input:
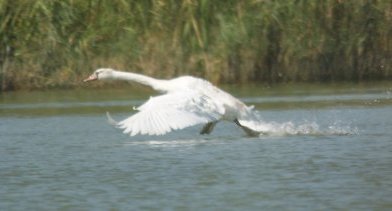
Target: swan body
{"points": [[185, 101]]}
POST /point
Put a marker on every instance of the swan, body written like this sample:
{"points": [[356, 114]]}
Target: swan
{"points": [[185, 101]]}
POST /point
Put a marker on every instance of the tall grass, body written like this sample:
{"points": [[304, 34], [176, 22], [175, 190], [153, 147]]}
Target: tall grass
{"points": [[56, 43]]}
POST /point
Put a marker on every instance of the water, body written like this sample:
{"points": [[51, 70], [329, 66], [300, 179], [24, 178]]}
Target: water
{"points": [[325, 151]]}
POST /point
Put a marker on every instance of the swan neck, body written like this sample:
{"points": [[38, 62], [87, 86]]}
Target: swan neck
{"points": [[142, 79]]}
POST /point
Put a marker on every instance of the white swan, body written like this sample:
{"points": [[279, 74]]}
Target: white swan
{"points": [[186, 101]]}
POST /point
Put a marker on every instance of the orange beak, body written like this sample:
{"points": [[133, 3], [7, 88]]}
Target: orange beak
{"points": [[92, 77]]}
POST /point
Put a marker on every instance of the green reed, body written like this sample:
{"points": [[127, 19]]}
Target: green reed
{"points": [[56, 43]]}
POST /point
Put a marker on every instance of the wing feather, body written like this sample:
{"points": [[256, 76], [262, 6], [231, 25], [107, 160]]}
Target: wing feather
{"points": [[172, 111]]}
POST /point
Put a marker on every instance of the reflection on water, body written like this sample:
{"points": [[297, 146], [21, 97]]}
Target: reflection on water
{"points": [[321, 151], [168, 143]]}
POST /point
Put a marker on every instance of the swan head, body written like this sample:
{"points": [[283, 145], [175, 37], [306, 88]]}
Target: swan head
{"points": [[101, 74]]}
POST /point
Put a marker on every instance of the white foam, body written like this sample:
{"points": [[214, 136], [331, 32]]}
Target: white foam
{"points": [[299, 128]]}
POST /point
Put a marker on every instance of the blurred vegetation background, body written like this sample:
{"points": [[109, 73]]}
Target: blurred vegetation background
{"points": [[56, 43]]}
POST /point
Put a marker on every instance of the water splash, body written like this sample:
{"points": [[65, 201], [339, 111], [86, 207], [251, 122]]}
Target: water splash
{"points": [[300, 128], [306, 128]]}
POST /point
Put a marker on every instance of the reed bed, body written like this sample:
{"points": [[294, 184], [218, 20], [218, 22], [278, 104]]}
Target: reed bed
{"points": [[56, 43]]}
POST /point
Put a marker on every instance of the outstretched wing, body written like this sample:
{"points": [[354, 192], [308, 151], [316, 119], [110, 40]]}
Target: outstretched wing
{"points": [[172, 111]]}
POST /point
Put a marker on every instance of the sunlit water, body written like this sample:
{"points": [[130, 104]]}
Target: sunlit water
{"points": [[320, 152]]}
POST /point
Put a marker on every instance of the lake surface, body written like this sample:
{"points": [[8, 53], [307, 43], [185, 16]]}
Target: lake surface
{"points": [[328, 148]]}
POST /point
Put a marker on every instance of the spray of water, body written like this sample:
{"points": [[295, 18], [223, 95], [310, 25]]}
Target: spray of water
{"points": [[299, 128]]}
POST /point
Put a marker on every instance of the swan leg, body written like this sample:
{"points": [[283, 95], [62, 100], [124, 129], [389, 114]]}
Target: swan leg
{"points": [[207, 129], [247, 130]]}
